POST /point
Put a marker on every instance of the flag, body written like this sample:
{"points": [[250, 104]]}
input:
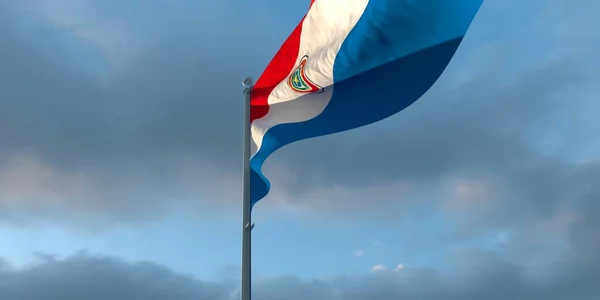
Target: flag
{"points": [[350, 63]]}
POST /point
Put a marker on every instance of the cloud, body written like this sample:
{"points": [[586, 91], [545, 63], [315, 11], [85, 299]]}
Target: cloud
{"points": [[378, 268], [69, 116], [32, 192], [141, 122], [84, 276], [110, 113], [359, 252], [467, 274]]}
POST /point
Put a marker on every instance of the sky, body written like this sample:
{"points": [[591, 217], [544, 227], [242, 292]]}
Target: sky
{"points": [[120, 161]]}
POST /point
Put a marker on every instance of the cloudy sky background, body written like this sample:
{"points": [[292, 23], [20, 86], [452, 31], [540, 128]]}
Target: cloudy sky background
{"points": [[120, 161]]}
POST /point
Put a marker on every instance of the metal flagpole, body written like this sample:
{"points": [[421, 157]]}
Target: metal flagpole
{"points": [[247, 224]]}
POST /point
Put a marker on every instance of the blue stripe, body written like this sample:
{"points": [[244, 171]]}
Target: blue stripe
{"points": [[394, 54]]}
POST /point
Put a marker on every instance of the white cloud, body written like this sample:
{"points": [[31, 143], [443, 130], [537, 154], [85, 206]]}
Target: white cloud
{"points": [[359, 252], [399, 267], [378, 268]]}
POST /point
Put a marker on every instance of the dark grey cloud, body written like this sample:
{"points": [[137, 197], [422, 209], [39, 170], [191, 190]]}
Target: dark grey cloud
{"points": [[84, 276], [157, 116], [83, 133]]}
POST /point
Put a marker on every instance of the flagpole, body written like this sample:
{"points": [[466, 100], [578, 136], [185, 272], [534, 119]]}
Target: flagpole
{"points": [[247, 224]]}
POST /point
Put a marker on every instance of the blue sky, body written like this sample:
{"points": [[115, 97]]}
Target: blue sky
{"points": [[119, 130], [284, 244]]}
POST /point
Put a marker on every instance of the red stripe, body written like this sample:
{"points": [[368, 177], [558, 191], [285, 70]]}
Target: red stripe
{"points": [[277, 71]]}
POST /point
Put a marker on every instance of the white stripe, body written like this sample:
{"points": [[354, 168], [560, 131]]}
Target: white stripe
{"points": [[325, 27]]}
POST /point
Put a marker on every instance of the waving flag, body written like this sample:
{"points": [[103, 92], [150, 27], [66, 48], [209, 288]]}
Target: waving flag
{"points": [[350, 63]]}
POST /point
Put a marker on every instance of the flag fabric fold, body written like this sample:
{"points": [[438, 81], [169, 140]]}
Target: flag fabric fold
{"points": [[350, 63]]}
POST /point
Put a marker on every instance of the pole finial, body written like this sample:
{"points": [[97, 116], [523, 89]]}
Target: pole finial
{"points": [[247, 81]]}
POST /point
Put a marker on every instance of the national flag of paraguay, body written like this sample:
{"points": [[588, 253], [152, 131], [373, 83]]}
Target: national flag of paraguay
{"points": [[350, 63]]}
